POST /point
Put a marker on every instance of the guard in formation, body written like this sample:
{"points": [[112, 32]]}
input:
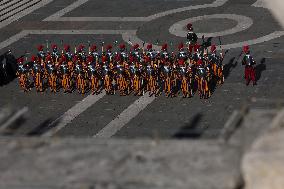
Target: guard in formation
{"points": [[142, 70], [138, 71]]}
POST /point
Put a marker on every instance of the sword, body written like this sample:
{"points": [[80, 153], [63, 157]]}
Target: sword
{"points": [[102, 43], [62, 46], [129, 42], [46, 45], [89, 44]]}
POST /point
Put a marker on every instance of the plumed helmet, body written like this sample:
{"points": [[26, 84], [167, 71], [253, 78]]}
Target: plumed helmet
{"points": [[54, 46], [75, 57], [196, 47], [104, 58], [90, 59], [48, 58], [246, 49], [63, 59], [122, 46], [190, 48], [181, 62], [189, 26], [93, 47], [109, 47], [165, 46], [199, 62], [20, 60], [213, 48], [33, 58], [66, 47], [40, 47], [81, 47], [180, 46], [136, 46]]}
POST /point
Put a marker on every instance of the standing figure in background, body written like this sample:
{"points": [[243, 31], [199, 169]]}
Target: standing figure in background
{"points": [[191, 36], [249, 63]]}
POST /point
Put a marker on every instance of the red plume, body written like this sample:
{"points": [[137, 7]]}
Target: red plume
{"points": [[136, 46], [213, 48], [165, 46], [180, 46], [189, 26], [122, 46], [40, 47], [246, 48]]}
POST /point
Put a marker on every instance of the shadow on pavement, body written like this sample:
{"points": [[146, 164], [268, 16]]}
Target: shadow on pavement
{"points": [[43, 127], [229, 67], [190, 130], [260, 68]]}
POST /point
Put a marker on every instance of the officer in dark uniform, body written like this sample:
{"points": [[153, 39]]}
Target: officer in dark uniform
{"points": [[191, 36]]}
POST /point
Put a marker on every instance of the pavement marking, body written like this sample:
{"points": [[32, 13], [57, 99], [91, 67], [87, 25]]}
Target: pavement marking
{"points": [[25, 33], [2, 2], [16, 116], [13, 39], [80, 32], [278, 120], [122, 119], [7, 4], [24, 13], [72, 113], [59, 15], [22, 5], [260, 3], [262, 39], [67, 9], [135, 39], [126, 35], [244, 22]]}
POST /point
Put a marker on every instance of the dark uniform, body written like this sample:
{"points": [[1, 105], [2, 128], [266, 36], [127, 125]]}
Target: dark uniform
{"points": [[249, 63]]}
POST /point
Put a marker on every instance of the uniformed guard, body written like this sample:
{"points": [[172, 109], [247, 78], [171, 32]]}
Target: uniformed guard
{"points": [[165, 56], [81, 52], [150, 52], [249, 63], [40, 53], [55, 54], [135, 55], [95, 54], [122, 55], [68, 53], [182, 55], [191, 36], [109, 54]]}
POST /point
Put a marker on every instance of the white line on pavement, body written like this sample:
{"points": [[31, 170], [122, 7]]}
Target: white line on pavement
{"points": [[17, 7], [260, 3], [262, 39], [13, 39], [3, 7], [25, 33], [2, 2], [82, 32], [67, 9], [122, 119], [243, 23], [126, 35], [135, 39], [24, 13], [59, 15], [72, 113]]}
